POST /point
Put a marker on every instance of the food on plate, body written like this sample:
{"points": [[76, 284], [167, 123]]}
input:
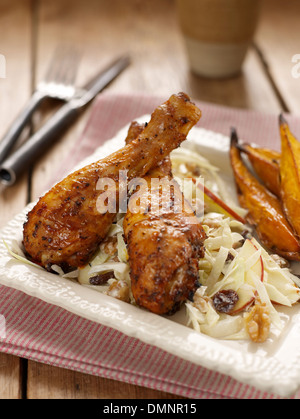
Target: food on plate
{"points": [[246, 292], [264, 209], [65, 227], [187, 163], [243, 286], [258, 323], [200, 254], [164, 244], [266, 164], [213, 203], [290, 175]]}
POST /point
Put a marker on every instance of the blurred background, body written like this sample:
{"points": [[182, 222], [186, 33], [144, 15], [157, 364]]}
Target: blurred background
{"points": [[149, 31]]}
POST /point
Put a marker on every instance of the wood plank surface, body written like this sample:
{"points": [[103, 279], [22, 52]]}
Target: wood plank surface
{"points": [[15, 45], [101, 30], [45, 381], [16, 88]]}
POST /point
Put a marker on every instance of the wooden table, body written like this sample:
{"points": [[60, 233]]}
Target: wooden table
{"points": [[148, 30]]}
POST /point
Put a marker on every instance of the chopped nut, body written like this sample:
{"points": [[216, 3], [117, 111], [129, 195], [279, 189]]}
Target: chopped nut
{"points": [[283, 263], [119, 290], [193, 169], [258, 323], [212, 220], [109, 246], [200, 301]]}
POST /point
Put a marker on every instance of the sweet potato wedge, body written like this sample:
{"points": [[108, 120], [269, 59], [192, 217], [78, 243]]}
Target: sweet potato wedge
{"points": [[265, 212], [290, 175], [266, 164]]}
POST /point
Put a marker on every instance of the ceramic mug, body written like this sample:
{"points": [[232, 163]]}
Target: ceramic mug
{"points": [[218, 34]]}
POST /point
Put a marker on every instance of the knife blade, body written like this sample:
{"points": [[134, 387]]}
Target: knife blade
{"points": [[36, 145]]}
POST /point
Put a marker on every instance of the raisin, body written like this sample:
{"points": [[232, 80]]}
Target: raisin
{"points": [[230, 257], [101, 279], [225, 301]]}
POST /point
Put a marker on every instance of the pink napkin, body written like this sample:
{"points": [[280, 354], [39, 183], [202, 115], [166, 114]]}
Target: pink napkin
{"points": [[48, 334]]}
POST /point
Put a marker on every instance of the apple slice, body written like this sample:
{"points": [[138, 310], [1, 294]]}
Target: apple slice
{"points": [[253, 261], [239, 278], [246, 298], [280, 285], [215, 204], [251, 253]]}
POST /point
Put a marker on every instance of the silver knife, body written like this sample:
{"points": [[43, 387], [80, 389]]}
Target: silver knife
{"points": [[36, 145]]}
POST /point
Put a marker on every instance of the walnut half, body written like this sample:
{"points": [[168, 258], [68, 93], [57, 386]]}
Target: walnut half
{"points": [[258, 323]]}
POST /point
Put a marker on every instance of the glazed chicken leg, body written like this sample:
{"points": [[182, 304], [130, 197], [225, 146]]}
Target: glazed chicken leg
{"points": [[65, 227], [163, 245]]}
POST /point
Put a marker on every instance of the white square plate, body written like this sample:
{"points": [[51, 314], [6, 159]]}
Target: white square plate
{"points": [[273, 366]]}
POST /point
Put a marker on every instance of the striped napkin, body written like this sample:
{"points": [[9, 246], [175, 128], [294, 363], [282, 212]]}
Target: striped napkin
{"points": [[48, 334]]}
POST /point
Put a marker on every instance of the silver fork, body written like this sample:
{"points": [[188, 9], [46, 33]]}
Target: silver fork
{"points": [[58, 83]]}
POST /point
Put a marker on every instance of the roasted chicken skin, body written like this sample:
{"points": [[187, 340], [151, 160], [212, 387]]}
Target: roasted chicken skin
{"points": [[65, 227], [164, 244], [134, 130]]}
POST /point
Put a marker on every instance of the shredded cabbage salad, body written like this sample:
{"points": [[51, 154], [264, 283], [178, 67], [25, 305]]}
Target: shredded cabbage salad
{"points": [[241, 286]]}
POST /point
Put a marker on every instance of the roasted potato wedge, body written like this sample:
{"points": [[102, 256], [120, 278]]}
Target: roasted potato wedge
{"points": [[290, 175], [266, 164], [264, 209]]}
